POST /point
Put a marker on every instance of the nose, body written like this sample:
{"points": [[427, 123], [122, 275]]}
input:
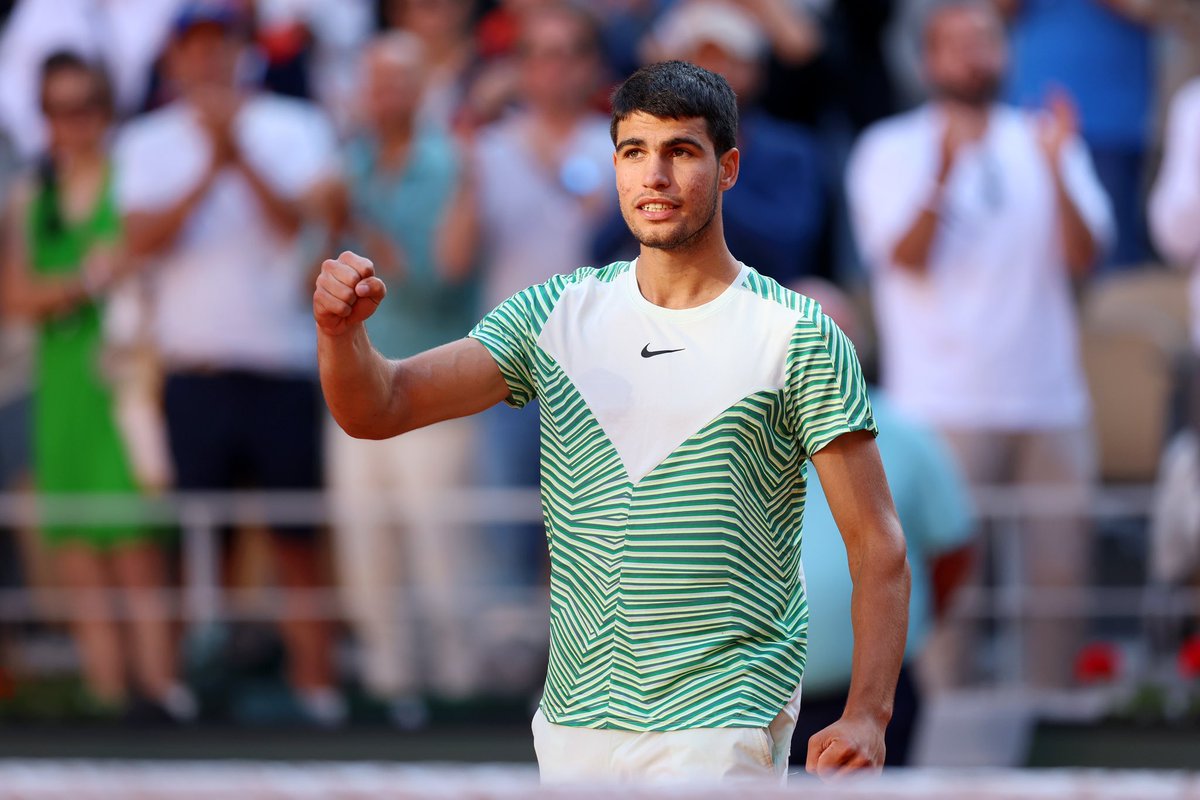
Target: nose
{"points": [[657, 175]]}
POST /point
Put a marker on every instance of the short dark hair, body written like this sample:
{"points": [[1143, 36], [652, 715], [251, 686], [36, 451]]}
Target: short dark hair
{"points": [[70, 61], [679, 90]]}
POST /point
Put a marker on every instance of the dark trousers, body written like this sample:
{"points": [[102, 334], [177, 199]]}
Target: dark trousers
{"points": [[231, 429]]}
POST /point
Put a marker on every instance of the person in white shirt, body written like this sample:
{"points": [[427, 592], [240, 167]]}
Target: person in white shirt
{"points": [[973, 218], [210, 190], [1175, 210]]}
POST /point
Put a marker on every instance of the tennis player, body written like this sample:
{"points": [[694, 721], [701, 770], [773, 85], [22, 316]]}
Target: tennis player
{"points": [[682, 396]]}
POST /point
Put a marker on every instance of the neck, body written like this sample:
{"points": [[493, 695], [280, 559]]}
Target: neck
{"points": [[689, 275], [81, 163], [395, 135], [979, 110]]}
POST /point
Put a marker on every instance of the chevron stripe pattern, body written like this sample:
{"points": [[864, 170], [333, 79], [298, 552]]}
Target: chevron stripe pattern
{"points": [[677, 602]]}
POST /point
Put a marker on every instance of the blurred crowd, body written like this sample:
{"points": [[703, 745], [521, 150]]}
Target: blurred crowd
{"points": [[173, 172]]}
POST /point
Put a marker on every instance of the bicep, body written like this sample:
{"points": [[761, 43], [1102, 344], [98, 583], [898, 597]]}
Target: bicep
{"points": [[857, 490], [454, 380]]}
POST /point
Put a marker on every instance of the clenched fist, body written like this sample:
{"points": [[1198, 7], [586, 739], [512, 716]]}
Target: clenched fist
{"points": [[347, 292], [848, 745]]}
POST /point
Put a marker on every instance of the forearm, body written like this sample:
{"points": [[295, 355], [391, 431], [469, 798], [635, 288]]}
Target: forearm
{"points": [[150, 232], [44, 297], [879, 614], [283, 214], [359, 384], [794, 36], [1079, 246], [913, 249], [458, 239]]}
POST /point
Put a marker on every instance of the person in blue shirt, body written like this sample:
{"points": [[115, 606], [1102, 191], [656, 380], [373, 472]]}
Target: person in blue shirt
{"points": [[936, 513], [400, 196]]}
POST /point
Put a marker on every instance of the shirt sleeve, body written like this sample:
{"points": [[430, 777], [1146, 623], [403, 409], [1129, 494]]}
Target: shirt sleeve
{"points": [[825, 393], [1174, 209], [508, 334], [886, 188]]}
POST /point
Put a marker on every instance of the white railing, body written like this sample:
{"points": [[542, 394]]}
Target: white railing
{"points": [[201, 599]]}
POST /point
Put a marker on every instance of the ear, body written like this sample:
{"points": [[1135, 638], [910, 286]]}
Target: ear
{"points": [[728, 166]]}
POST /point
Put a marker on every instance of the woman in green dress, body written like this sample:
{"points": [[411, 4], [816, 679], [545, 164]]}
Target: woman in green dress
{"points": [[61, 254]]}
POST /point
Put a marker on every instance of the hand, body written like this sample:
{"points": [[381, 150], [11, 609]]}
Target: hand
{"points": [[99, 269], [218, 108], [347, 293], [961, 129], [1059, 123], [848, 745]]}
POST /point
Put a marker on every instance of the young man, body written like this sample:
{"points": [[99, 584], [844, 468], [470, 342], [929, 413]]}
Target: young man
{"points": [[682, 395]]}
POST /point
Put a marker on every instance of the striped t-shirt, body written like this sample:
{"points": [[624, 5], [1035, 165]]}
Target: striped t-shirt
{"points": [[674, 446]]}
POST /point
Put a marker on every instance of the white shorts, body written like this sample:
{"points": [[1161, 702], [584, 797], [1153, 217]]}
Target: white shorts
{"points": [[568, 754]]}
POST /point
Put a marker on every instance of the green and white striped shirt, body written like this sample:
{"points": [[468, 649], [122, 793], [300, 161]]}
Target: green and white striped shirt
{"points": [[674, 449]]}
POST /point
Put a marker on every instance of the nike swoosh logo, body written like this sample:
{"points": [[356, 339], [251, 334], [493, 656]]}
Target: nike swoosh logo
{"points": [[648, 353]]}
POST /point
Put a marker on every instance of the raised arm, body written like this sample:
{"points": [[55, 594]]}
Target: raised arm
{"points": [[852, 476], [372, 397]]}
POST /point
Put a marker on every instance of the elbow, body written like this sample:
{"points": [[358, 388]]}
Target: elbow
{"points": [[365, 430]]}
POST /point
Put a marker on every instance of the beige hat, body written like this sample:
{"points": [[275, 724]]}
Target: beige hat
{"points": [[689, 25]]}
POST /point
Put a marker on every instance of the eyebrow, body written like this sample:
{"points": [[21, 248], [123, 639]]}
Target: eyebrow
{"points": [[673, 142]]}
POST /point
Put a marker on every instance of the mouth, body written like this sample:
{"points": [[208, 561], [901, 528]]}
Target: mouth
{"points": [[656, 209]]}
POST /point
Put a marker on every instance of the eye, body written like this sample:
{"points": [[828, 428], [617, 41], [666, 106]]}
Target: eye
{"points": [[631, 153], [680, 152]]}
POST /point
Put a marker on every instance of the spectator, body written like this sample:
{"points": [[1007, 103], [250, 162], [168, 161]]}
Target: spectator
{"points": [[124, 36], [775, 214], [444, 28], [1101, 53], [61, 253], [550, 161], [972, 217], [1175, 206], [209, 188], [935, 513], [402, 179]]}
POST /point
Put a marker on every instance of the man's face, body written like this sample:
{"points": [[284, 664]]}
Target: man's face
{"points": [[669, 179], [393, 87], [559, 63], [205, 55], [965, 55], [432, 20]]}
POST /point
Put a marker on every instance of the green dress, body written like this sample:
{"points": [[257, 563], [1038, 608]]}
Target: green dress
{"points": [[77, 447]]}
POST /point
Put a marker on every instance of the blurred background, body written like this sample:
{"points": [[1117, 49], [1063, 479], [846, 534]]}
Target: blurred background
{"points": [[998, 200]]}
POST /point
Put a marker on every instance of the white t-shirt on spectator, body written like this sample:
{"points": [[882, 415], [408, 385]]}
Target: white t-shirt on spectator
{"points": [[232, 292], [987, 338], [1175, 199], [537, 224]]}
